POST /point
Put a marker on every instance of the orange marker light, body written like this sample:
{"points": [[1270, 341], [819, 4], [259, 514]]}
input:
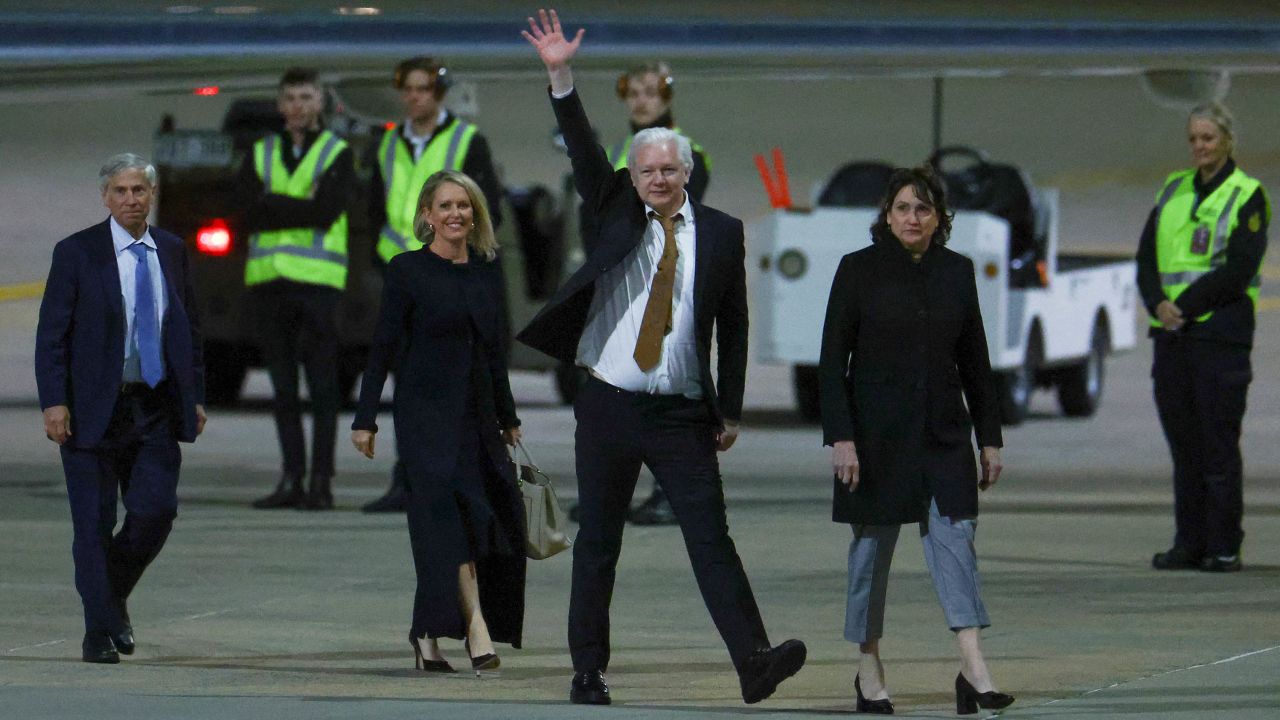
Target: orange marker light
{"points": [[214, 239]]}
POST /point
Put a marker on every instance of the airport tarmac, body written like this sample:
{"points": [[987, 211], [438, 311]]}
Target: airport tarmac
{"points": [[281, 615]]}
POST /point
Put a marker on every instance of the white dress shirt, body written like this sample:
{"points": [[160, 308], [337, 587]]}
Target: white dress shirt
{"points": [[127, 264], [419, 142], [608, 343]]}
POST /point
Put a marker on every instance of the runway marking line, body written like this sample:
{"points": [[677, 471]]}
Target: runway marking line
{"points": [[1197, 666], [59, 641], [21, 291]]}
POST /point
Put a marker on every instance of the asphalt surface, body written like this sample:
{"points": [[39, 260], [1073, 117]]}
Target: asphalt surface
{"points": [[279, 615]]}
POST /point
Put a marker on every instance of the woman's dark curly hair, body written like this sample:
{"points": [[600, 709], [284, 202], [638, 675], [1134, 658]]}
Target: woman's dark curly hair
{"points": [[929, 188]]}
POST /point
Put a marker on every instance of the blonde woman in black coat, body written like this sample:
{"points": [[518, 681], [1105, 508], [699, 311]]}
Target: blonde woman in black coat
{"points": [[453, 412], [903, 340]]}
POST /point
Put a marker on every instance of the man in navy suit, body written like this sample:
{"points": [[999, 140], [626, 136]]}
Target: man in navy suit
{"points": [[663, 271], [121, 381]]}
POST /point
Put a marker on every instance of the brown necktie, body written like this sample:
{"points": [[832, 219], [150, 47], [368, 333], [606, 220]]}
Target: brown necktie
{"points": [[657, 312]]}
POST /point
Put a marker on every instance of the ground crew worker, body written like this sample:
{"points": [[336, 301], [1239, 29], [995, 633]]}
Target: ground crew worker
{"points": [[647, 91], [429, 139], [1198, 273], [294, 187]]}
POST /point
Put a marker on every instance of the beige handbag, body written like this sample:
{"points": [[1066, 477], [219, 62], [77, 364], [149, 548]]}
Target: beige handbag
{"points": [[546, 523]]}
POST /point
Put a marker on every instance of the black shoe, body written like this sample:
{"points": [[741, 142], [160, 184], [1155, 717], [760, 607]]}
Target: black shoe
{"points": [[589, 688], [874, 707], [320, 497], [1222, 563], [968, 699], [425, 665], [654, 511], [395, 500], [1175, 558], [123, 640], [97, 648], [765, 669], [288, 494], [487, 661]]}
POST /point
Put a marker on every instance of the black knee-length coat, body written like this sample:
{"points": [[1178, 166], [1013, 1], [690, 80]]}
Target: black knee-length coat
{"points": [[902, 341], [449, 319]]}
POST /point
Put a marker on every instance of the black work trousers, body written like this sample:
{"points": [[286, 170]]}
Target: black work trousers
{"points": [[1200, 391], [674, 437], [297, 323]]}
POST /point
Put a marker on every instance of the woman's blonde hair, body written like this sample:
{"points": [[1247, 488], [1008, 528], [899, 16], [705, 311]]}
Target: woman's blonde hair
{"points": [[480, 237]]}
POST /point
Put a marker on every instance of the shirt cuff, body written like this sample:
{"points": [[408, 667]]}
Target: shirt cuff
{"points": [[563, 95]]}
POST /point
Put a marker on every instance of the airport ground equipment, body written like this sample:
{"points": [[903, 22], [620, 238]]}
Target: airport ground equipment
{"points": [[1051, 318], [198, 169]]}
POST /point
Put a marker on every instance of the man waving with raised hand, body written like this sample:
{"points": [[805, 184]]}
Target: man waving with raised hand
{"points": [[664, 273]]}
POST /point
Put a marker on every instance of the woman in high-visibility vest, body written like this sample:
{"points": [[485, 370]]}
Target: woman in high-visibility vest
{"points": [[1198, 274], [453, 412]]}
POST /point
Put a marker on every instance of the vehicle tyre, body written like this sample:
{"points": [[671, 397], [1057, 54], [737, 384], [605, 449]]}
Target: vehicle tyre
{"points": [[224, 372], [569, 380], [1018, 385], [1080, 386], [805, 380]]}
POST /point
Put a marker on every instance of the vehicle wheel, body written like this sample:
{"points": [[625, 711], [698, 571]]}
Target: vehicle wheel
{"points": [[224, 372], [1017, 386], [569, 380], [1080, 386], [805, 380]]}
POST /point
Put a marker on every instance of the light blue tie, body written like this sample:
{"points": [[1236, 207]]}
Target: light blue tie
{"points": [[145, 323]]}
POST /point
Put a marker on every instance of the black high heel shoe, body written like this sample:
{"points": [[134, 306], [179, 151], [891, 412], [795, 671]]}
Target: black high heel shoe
{"points": [[425, 665], [487, 661], [875, 707], [968, 699]]}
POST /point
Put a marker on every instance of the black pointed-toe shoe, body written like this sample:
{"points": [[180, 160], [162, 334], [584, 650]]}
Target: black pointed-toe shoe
{"points": [[123, 640], [766, 669], [97, 648], [589, 688], [421, 662], [968, 699], [874, 707]]}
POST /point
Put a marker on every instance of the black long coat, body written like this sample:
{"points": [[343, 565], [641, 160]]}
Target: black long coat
{"points": [[449, 318], [900, 343]]}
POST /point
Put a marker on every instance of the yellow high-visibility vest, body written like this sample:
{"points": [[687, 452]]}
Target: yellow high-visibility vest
{"points": [[403, 179], [1191, 244], [306, 255]]}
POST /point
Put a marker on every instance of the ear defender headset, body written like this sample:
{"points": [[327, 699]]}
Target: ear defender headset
{"points": [[661, 69], [442, 80]]}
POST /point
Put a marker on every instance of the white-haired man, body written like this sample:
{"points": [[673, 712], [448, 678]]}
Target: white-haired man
{"points": [[663, 272]]}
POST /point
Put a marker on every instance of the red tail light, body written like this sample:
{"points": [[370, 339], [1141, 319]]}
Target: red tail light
{"points": [[214, 238]]}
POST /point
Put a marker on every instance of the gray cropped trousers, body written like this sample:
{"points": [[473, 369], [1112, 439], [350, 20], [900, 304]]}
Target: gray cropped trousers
{"points": [[953, 565]]}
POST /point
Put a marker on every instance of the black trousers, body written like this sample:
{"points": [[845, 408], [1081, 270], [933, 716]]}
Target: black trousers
{"points": [[1200, 392], [675, 438], [139, 459], [297, 323]]}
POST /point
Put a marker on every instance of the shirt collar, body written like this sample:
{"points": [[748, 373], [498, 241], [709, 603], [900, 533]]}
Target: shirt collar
{"points": [[1204, 188], [122, 239], [685, 211], [442, 119]]}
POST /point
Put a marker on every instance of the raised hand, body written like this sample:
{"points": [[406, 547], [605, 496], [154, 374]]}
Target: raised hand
{"points": [[548, 39]]}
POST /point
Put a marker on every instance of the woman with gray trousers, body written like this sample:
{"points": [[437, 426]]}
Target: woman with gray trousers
{"points": [[903, 347]]}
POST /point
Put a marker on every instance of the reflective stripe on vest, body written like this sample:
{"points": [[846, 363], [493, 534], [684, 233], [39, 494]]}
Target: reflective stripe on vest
{"points": [[1178, 220], [315, 256], [617, 153], [403, 178]]}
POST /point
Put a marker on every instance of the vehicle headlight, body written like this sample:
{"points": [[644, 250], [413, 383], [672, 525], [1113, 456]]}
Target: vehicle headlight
{"points": [[792, 264]]}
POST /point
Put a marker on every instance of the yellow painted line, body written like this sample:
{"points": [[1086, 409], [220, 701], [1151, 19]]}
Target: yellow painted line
{"points": [[21, 291]]}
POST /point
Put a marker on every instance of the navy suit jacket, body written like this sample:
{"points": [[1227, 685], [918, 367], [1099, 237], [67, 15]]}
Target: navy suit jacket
{"points": [[616, 224], [80, 338]]}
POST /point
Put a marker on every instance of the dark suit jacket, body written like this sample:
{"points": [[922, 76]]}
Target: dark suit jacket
{"points": [[80, 337], [618, 224], [900, 343]]}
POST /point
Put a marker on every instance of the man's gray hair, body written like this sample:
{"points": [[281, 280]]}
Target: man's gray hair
{"points": [[117, 164], [662, 136]]}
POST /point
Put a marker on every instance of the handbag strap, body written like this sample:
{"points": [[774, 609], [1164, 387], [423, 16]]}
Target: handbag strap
{"points": [[528, 460]]}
